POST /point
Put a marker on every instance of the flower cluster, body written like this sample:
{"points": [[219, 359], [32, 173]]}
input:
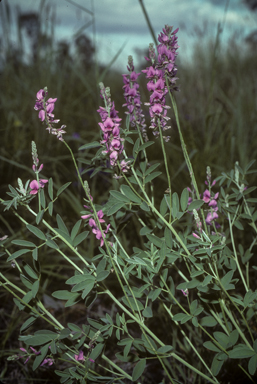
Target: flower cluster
{"points": [[110, 127], [92, 223], [164, 68], [81, 357], [212, 202], [167, 53], [47, 361], [45, 109], [36, 185], [132, 97]]}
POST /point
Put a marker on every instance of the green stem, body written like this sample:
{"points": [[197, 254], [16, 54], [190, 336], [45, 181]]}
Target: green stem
{"points": [[166, 165], [235, 253], [190, 343]]}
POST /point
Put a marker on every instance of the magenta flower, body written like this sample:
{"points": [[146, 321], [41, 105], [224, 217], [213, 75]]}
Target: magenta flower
{"points": [[185, 292], [45, 113], [80, 356], [160, 71], [35, 186], [133, 99], [206, 196], [110, 127], [211, 216], [92, 223]]}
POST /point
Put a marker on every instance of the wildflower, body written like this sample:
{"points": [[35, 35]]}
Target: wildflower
{"points": [[133, 100], [92, 223], [35, 185], [110, 127], [185, 292], [45, 109], [161, 70], [80, 356]]}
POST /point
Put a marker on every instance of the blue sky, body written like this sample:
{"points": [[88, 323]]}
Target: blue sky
{"points": [[119, 22]]}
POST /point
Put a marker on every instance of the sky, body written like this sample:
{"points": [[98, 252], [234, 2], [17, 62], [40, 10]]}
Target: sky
{"points": [[121, 23]]}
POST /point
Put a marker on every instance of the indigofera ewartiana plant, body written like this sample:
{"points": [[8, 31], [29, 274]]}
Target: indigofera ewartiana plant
{"points": [[190, 270]]}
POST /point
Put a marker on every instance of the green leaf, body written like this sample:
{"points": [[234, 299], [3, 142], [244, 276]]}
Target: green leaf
{"points": [[252, 365], [28, 323], [208, 321], [102, 275], [79, 278], [130, 194], [216, 365], [145, 145], [60, 190], [36, 231], [50, 208], [51, 244], [82, 285], [145, 206], [168, 237], [138, 369], [94, 144], [40, 216], [184, 199], [145, 230], [155, 240], [39, 358], [240, 352], [195, 204], [165, 349], [75, 229], [212, 347], [147, 312], [151, 168], [175, 204], [152, 176], [116, 207], [120, 196], [50, 188], [30, 272], [81, 237], [227, 278], [63, 295], [39, 340], [96, 351], [88, 289], [35, 253], [23, 243], [61, 225], [35, 288], [18, 253], [163, 207]]}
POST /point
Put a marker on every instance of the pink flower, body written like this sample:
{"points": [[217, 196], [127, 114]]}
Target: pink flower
{"points": [[80, 356], [211, 216], [206, 196], [35, 186], [185, 292]]}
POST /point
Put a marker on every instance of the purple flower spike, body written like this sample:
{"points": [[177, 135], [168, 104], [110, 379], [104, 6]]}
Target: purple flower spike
{"points": [[133, 100], [110, 127], [45, 113], [160, 71]]}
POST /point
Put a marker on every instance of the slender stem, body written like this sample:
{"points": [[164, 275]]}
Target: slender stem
{"points": [[235, 253], [190, 343], [166, 165]]}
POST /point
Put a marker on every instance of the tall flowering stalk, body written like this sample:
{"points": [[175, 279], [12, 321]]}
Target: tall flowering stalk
{"points": [[110, 127], [133, 99], [162, 68]]}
